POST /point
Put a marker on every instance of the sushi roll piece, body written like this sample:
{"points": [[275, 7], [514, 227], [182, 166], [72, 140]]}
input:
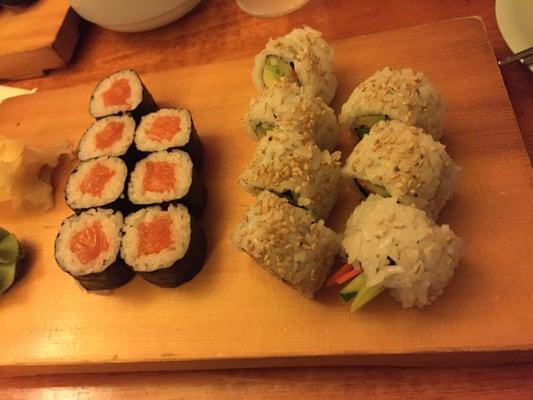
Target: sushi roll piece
{"points": [[121, 92], [287, 164], [401, 161], [303, 57], [109, 136], [402, 95], [87, 247], [166, 177], [289, 103], [401, 249], [288, 242], [167, 248], [169, 128], [98, 182]]}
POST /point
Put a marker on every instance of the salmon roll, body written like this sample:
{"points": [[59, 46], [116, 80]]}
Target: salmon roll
{"points": [[120, 93], [166, 177], [401, 161], [88, 248], [165, 247], [286, 102], [302, 56], [403, 95], [287, 242], [99, 182], [109, 136], [169, 128]]}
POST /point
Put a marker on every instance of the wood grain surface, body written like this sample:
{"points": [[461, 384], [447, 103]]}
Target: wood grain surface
{"points": [[204, 36], [264, 322], [36, 38]]}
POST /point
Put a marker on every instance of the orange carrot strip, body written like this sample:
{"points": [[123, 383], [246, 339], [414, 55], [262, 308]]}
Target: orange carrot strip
{"points": [[347, 276], [332, 281]]}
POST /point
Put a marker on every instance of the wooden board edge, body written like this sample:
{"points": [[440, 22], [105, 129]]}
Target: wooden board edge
{"points": [[414, 360], [67, 36], [33, 63]]}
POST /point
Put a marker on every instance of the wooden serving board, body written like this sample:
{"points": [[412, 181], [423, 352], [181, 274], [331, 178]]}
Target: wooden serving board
{"points": [[234, 314], [36, 38]]}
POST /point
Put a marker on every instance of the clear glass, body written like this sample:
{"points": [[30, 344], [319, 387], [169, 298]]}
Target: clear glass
{"points": [[270, 8]]}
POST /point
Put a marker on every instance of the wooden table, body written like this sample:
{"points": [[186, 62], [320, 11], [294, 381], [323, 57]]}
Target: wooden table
{"points": [[217, 30]]}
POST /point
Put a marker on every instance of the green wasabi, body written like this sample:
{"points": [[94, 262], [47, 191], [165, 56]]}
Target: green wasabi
{"points": [[10, 254]]}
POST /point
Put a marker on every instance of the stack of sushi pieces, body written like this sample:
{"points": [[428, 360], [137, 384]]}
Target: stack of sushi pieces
{"points": [[408, 177], [136, 193], [294, 170]]}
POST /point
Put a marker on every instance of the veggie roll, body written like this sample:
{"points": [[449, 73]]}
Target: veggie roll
{"points": [[122, 92], [289, 103], [109, 136], [167, 177], [287, 242], [167, 248], [87, 247], [406, 163], [400, 248], [98, 182], [401, 95], [301, 56], [169, 128], [287, 164]]}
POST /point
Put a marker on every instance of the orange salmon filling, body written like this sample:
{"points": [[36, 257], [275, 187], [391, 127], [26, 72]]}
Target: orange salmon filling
{"points": [[95, 181], [108, 136], [118, 94], [164, 128], [155, 236], [89, 243], [159, 177]]}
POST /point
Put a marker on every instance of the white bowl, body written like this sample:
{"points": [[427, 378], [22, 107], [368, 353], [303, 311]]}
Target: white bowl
{"points": [[132, 15]]}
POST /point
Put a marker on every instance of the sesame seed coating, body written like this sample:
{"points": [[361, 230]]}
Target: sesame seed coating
{"points": [[402, 95], [288, 242]]}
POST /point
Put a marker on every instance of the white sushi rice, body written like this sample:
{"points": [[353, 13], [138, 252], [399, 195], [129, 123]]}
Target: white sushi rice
{"points": [[284, 161], [425, 254], [183, 167], [408, 163], [181, 237], [98, 109], [290, 103], [402, 95], [311, 56], [144, 142], [88, 147], [111, 223], [287, 241], [78, 199]]}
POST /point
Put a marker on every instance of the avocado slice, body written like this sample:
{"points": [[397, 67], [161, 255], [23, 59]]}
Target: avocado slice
{"points": [[276, 68], [367, 187], [365, 122]]}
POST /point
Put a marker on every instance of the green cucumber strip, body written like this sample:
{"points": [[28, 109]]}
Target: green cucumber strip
{"points": [[346, 297], [372, 188], [7, 275], [362, 131], [363, 123], [262, 129], [9, 249], [355, 285], [364, 296]]}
